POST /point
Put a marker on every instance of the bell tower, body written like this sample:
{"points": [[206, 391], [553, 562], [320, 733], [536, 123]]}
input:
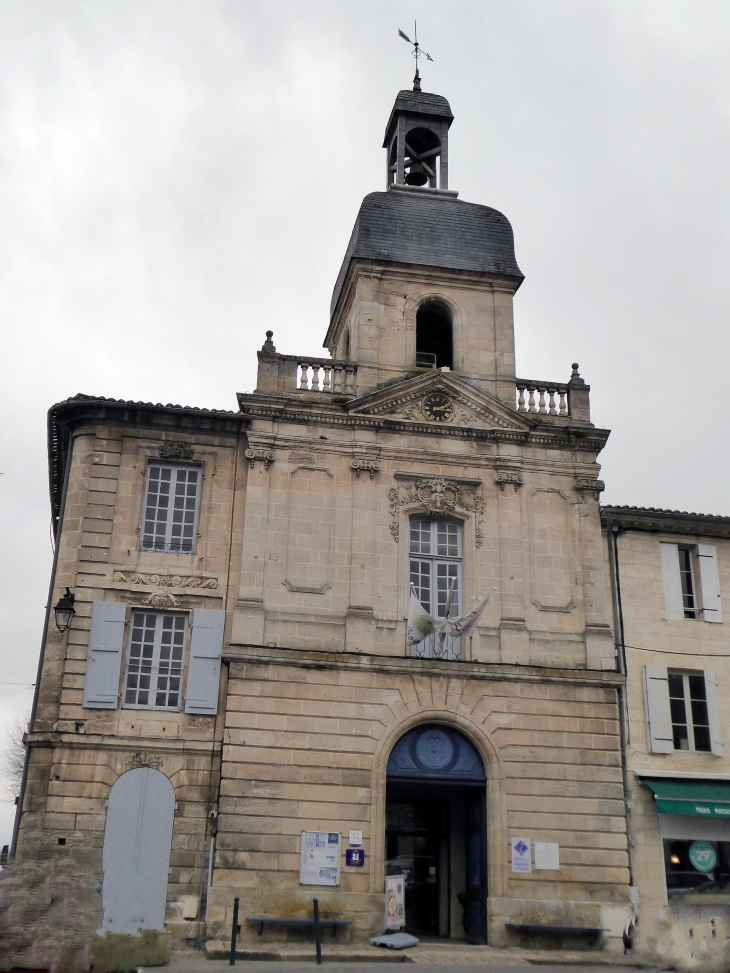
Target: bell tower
{"points": [[417, 140]]}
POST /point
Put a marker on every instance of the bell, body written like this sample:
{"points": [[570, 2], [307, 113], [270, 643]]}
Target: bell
{"points": [[416, 175]]}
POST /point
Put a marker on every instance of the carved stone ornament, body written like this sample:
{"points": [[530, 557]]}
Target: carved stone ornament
{"points": [[143, 759], [503, 477], [371, 466], [161, 599], [260, 453], [436, 497], [176, 451], [164, 580], [588, 485]]}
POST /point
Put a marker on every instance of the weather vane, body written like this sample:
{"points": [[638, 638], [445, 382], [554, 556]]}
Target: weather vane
{"points": [[417, 52]]}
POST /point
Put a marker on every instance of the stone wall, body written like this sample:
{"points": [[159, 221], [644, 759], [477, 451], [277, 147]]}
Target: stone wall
{"points": [[307, 741]]}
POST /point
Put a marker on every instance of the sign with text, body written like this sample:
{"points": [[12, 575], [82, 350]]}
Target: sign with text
{"points": [[521, 861], [319, 858]]}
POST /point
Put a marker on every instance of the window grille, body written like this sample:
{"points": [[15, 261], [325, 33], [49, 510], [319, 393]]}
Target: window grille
{"points": [[170, 508], [155, 661], [435, 562], [688, 707]]}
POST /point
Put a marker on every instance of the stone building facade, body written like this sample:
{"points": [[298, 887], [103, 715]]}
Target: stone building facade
{"points": [[237, 676], [671, 570]]}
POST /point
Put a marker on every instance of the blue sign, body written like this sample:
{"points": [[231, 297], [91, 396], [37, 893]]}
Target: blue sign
{"points": [[355, 857]]}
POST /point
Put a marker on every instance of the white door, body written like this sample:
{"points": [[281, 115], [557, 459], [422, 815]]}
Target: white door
{"points": [[136, 855]]}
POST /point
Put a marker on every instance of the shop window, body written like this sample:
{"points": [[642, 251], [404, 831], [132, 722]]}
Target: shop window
{"points": [[691, 582], [682, 711], [170, 508], [696, 864], [434, 342]]}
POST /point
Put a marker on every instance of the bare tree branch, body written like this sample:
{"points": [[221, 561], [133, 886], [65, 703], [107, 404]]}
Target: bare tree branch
{"points": [[12, 759]]}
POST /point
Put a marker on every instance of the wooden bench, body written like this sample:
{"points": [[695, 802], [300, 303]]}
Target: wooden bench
{"points": [[333, 924], [539, 929]]}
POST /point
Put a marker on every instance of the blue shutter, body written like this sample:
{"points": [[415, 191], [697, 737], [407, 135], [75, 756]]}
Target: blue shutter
{"points": [[104, 659], [206, 645]]}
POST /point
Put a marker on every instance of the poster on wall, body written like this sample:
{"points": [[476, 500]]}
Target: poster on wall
{"points": [[395, 901], [319, 858]]}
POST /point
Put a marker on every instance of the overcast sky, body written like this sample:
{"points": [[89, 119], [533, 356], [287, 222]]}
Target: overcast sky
{"points": [[176, 177]]}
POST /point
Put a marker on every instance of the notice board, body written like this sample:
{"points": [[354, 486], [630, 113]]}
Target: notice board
{"points": [[319, 858]]}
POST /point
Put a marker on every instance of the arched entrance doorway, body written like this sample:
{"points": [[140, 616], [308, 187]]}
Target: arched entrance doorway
{"points": [[136, 853], [435, 832]]}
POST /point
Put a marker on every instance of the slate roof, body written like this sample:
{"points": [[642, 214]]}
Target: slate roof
{"points": [[430, 230], [419, 103]]}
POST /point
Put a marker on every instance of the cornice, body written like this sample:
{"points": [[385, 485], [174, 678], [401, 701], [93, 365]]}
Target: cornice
{"points": [[111, 741], [486, 671], [575, 437], [657, 521]]}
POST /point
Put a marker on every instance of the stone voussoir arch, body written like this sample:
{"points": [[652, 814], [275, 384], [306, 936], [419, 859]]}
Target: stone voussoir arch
{"points": [[496, 798]]}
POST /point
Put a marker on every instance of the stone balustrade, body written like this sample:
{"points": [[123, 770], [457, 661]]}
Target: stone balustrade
{"points": [[326, 375], [300, 373], [546, 398]]}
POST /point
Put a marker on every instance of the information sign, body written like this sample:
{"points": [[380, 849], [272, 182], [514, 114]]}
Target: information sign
{"points": [[702, 855], [355, 857], [319, 859], [547, 856], [521, 861]]}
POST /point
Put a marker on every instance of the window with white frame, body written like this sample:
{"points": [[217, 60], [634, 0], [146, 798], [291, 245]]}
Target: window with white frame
{"points": [[691, 579], [170, 508], [688, 708], [686, 576], [435, 563], [682, 711], [155, 660]]}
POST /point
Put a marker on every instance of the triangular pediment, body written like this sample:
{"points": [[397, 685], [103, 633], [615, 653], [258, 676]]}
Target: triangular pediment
{"points": [[440, 399]]}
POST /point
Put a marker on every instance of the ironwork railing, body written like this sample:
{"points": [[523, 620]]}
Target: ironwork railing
{"points": [[437, 646]]}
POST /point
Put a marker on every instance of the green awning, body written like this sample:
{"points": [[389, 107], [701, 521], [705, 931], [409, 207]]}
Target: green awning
{"points": [[701, 798]]}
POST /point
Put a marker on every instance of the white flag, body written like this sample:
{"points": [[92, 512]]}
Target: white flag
{"points": [[467, 623], [420, 624]]}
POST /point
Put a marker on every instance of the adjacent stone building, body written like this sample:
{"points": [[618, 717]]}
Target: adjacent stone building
{"points": [[235, 709], [670, 569]]}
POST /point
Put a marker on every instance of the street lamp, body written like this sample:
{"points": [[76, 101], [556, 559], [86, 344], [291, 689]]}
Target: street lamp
{"points": [[64, 611]]}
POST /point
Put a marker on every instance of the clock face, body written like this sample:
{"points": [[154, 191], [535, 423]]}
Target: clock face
{"points": [[438, 407]]}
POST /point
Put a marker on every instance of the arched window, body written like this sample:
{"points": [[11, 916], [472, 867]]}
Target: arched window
{"points": [[434, 343], [435, 556]]}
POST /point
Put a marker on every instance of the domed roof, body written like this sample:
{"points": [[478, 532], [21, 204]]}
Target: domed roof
{"points": [[433, 230]]}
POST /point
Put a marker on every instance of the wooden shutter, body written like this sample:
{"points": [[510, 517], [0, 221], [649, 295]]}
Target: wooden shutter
{"points": [[206, 645], [104, 659], [709, 583], [713, 712], [673, 601], [658, 715]]}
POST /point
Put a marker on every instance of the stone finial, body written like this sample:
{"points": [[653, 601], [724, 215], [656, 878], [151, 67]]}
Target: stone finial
{"points": [[575, 378], [268, 345]]}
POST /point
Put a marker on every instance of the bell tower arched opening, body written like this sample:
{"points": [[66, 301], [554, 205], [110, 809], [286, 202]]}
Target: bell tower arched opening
{"points": [[435, 832], [434, 336]]}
